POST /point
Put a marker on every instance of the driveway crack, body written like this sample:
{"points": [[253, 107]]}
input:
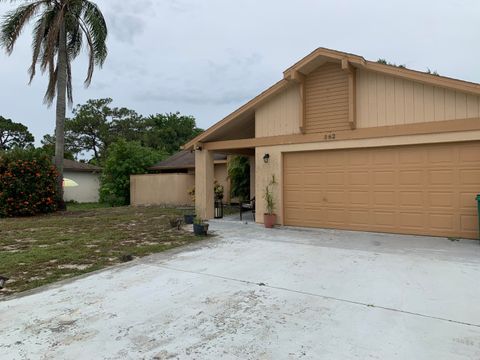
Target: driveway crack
{"points": [[327, 297]]}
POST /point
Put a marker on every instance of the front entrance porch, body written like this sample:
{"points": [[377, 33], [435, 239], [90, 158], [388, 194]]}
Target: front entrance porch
{"points": [[204, 179]]}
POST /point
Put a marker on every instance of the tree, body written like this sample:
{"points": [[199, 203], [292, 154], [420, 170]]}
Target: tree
{"points": [[48, 147], [239, 175], [14, 135], [58, 37], [124, 158], [95, 125], [89, 126], [170, 131]]}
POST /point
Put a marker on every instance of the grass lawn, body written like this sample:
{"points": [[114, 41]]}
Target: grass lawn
{"points": [[41, 250]]}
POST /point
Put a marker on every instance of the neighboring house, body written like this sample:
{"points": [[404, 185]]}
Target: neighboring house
{"points": [[357, 145], [88, 179], [175, 178]]}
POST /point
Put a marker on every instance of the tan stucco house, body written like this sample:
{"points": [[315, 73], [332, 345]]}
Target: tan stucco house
{"points": [[356, 144], [173, 179]]}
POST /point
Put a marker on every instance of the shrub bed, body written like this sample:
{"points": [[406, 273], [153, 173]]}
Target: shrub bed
{"points": [[27, 183]]}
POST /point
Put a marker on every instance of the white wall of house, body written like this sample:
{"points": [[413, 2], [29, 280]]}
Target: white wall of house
{"points": [[87, 189]]}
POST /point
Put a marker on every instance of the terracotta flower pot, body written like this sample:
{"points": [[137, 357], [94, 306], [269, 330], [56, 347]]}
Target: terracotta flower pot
{"points": [[269, 220]]}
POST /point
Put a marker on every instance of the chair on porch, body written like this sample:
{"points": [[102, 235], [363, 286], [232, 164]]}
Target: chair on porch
{"points": [[247, 206]]}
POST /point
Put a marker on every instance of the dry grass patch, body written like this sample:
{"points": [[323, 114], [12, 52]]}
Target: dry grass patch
{"points": [[41, 250]]}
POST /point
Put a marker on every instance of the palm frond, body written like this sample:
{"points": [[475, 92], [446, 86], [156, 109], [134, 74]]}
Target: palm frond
{"points": [[14, 22]]}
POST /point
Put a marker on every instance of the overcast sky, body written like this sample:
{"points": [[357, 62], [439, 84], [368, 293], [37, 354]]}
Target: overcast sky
{"points": [[206, 58]]}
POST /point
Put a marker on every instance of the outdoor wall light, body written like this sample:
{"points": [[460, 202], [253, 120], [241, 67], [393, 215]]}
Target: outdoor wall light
{"points": [[266, 158], [3, 280]]}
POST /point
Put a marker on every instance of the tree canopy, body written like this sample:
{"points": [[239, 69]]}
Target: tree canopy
{"points": [[14, 134], [96, 125], [168, 132]]}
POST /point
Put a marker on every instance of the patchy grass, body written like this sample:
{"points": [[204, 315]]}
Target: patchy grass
{"points": [[86, 206], [41, 250]]}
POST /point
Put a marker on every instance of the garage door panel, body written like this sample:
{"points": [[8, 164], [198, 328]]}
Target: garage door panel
{"points": [[336, 198], [359, 198], [335, 178], [386, 157], [467, 200], [384, 177], [384, 198], [412, 220], [442, 222], [294, 213], [411, 177], [293, 179], [421, 189], [336, 159], [292, 197], [409, 198], [316, 179], [468, 222], [469, 154], [314, 214], [441, 199], [441, 156], [384, 219], [470, 177], [359, 217], [359, 178], [358, 159], [313, 197], [410, 156], [336, 216], [441, 177]]}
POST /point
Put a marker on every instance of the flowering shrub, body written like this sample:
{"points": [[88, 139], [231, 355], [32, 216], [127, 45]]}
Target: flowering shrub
{"points": [[27, 183]]}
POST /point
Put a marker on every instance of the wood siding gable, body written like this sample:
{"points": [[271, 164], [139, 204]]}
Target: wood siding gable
{"points": [[326, 99], [384, 100]]}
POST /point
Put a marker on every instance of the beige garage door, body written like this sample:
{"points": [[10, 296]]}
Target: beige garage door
{"points": [[421, 189]]}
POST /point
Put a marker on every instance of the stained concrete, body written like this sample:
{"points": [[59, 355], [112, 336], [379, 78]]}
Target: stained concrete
{"points": [[252, 293]]}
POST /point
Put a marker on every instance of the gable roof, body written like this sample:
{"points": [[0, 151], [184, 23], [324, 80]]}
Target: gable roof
{"points": [[316, 59], [76, 166], [184, 159]]}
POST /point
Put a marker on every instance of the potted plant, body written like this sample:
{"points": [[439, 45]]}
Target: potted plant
{"points": [[188, 218], [269, 217], [175, 222], [200, 227]]}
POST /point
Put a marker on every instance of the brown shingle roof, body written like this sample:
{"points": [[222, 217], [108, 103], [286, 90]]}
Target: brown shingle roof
{"points": [[72, 165], [182, 160]]}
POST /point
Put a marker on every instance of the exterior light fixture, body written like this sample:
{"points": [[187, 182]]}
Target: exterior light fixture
{"points": [[3, 280], [266, 158]]}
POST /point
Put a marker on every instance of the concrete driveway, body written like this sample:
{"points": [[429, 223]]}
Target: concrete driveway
{"points": [[253, 293]]}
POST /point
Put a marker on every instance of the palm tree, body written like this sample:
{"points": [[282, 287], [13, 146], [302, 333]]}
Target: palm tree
{"points": [[59, 31]]}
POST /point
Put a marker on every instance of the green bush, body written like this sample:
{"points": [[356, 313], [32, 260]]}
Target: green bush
{"points": [[27, 183], [239, 175], [124, 158]]}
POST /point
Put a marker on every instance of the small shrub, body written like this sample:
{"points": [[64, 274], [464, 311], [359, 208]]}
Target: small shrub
{"points": [[27, 183], [175, 222], [124, 159]]}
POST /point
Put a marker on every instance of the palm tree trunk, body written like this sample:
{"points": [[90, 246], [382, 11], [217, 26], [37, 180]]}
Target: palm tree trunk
{"points": [[61, 113]]}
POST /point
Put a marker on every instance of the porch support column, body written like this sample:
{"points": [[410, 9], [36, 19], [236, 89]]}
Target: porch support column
{"points": [[252, 176], [204, 174]]}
